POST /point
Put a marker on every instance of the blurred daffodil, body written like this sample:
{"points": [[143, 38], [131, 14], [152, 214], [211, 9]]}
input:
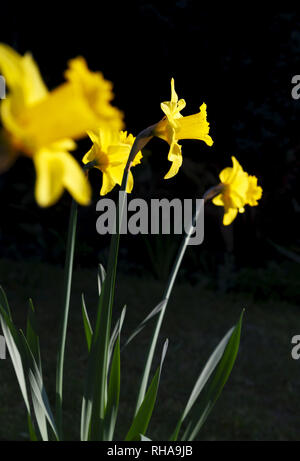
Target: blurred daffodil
{"points": [[174, 127], [109, 153], [43, 125], [238, 189]]}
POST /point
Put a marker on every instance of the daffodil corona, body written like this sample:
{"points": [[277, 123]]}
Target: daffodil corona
{"points": [[110, 152], [238, 189], [43, 125], [174, 127]]}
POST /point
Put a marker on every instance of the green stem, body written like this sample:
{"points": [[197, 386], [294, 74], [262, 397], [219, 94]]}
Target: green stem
{"points": [[166, 295], [101, 336], [68, 271]]}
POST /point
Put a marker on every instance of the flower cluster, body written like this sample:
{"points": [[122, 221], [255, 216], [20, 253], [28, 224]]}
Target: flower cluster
{"points": [[44, 125]]}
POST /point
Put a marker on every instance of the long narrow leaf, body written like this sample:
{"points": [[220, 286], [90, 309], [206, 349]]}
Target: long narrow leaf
{"points": [[39, 396], [32, 335], [17, 354], [142, 418], [211, 381], [113, 394], [144, 322], [15, 349], [86, 323], [4, 302], [34, 345], [100, 277], [116, 332]]}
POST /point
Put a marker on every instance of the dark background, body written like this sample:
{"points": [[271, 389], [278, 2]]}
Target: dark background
{"points": [[239, 62]]}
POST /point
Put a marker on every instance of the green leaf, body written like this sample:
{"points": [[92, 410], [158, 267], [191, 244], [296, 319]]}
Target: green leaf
{"points": [[100, 277], [4, 302], [113, 394], [86, 323], [32, 434], [210, 383], [143, 438], [144, 322], [32, 335], [16, 351], [116, 333], [96, 386], [68, 273], [18, 356], [39, 396], [34, 345], [142, 418]]}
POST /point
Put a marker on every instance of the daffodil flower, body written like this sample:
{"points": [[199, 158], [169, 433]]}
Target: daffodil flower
{"points": [[43, 125], [109, 153], [238, 189], [174, 127]]}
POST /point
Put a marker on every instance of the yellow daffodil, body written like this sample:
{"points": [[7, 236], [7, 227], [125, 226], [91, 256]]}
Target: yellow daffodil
{"points": [[239, 189], [43, 125], [110, 152], [174, 127]]}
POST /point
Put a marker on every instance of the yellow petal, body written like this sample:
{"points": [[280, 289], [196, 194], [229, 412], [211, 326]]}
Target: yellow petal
{"points": [[56, 171], [129, 186], [108, 183], [229, 216], [73, 108], [175, 157], [225, 175], [90, 156], [23, 77], [218, 200], [174, 97]]}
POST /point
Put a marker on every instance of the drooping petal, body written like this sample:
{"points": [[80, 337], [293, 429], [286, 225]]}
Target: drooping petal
{"points": [[56, 171], [74, 179], [229, 216], [108, 183], [49, 179], [174, 156]]}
